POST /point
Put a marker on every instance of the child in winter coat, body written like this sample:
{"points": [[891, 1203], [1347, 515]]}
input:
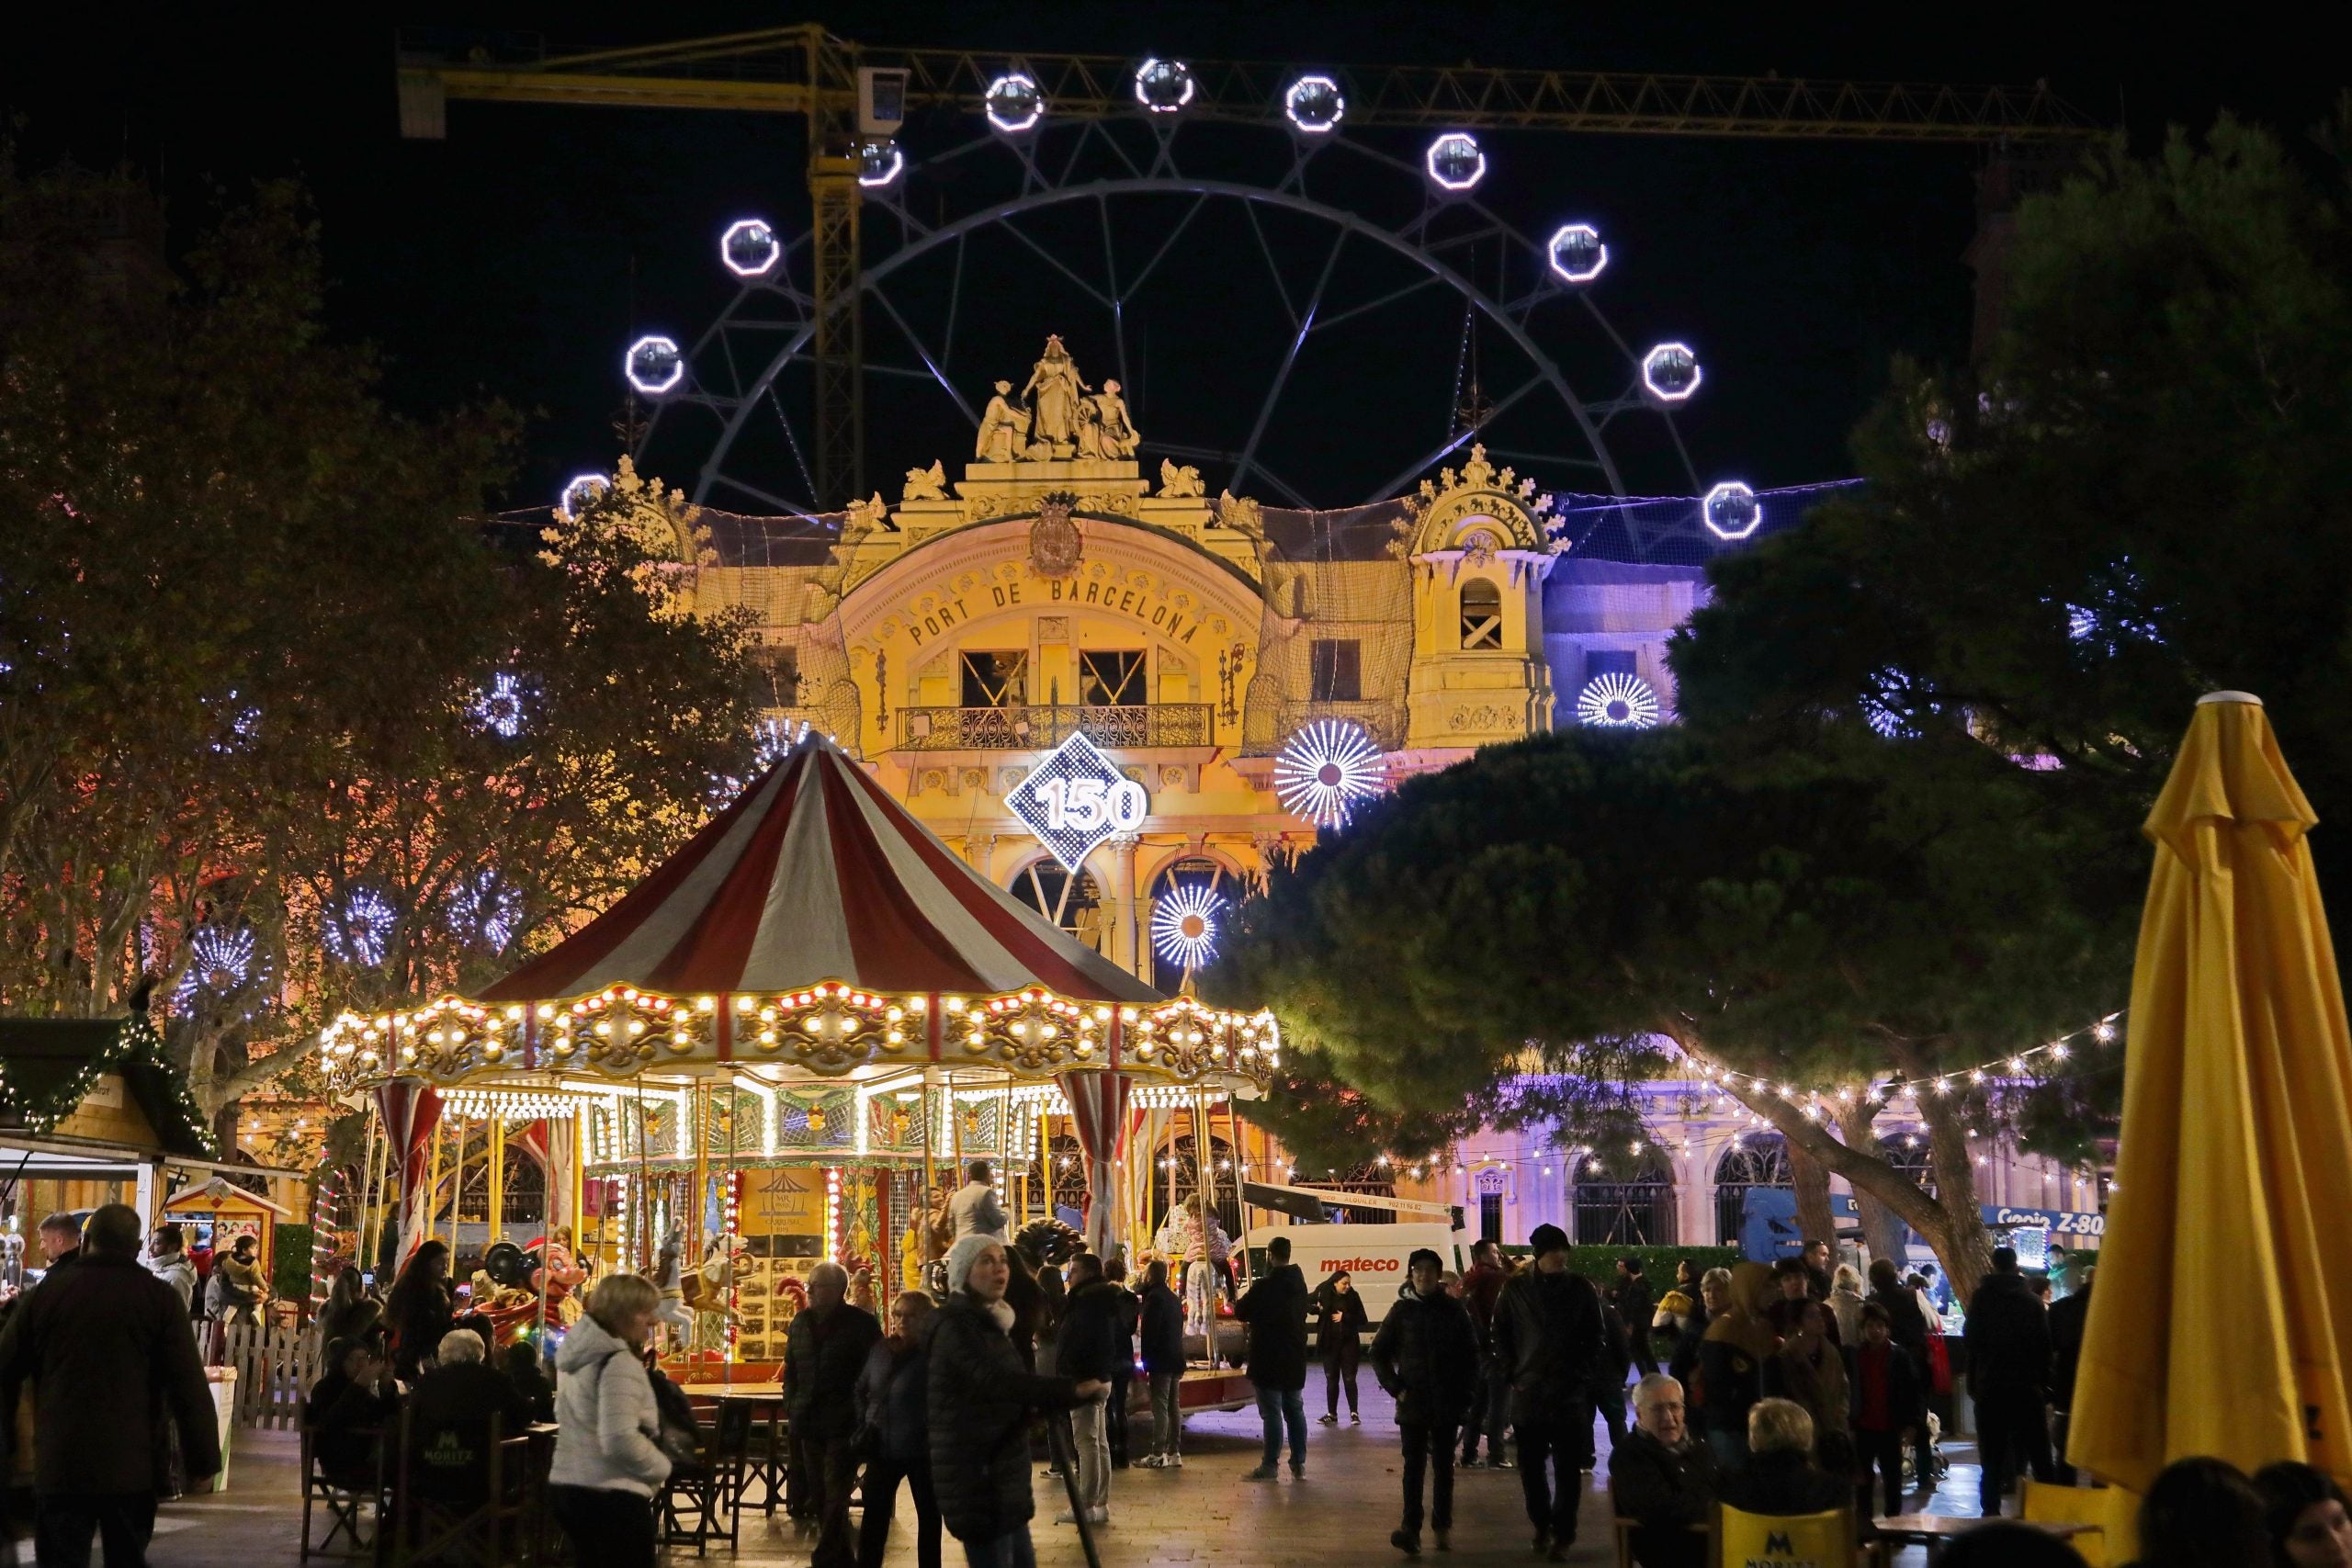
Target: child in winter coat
{"points": [[1888, 1407]]}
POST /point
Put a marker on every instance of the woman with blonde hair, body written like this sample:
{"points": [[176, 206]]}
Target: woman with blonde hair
{"points": [[608, 1458]]}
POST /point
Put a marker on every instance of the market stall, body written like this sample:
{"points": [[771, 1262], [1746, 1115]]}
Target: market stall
{"points": [[781, 1047]]}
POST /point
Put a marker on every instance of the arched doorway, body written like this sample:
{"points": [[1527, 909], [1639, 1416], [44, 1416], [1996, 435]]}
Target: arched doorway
{"points": [[1627, 1200], [1175, 1172], [1752, 1159], [1071, 902]]}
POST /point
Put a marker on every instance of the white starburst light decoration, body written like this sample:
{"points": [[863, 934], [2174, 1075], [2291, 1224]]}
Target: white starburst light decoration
{"points": [[359, 929], [1326, 768], [1185, 926], [483, 908], [502, 708], [222, 960], [1617, 701]]}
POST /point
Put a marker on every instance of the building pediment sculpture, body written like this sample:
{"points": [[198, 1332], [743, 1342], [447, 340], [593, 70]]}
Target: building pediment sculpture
{"points": [[927, 484], [1178, 482], [1481, 508], [1056, 417]]}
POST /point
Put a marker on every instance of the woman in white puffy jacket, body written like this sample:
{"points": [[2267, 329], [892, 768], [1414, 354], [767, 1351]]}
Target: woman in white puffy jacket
{"points": [[608, 1459]]}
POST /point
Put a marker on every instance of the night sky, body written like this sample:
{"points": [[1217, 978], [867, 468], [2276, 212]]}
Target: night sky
{"points": [[516, 258]]}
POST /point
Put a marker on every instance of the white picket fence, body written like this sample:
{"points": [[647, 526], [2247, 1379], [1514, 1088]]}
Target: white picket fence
{"points": [[275, 1366]]}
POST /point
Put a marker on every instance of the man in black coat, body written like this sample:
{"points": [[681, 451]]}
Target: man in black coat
{"points": [[1549, 1340], [107, 1348], [1426, 1356], [824, 1351], [1631, 1296], [2008, 1336], [1275, 1309], [1664, 1478], [2068, 1319]]}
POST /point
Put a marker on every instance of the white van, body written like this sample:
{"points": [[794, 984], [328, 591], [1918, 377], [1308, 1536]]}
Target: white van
{"points": [[1372, 1255]]}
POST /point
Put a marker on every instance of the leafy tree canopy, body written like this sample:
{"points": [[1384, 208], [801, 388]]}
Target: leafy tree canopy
{"points": [[285, 725]]}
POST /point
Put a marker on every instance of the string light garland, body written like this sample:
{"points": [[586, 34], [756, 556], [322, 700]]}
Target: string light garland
{"points": [[1952, 1080]]}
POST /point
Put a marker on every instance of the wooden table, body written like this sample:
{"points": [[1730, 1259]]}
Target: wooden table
{"points": [[766, 1463], [1935, 1531]]}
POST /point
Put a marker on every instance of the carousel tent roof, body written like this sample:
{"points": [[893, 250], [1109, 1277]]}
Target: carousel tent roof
{"points": [[816, 874]]}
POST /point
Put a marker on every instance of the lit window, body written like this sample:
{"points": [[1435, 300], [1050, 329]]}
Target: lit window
{"points": [[995, 680], [1110, 678]]}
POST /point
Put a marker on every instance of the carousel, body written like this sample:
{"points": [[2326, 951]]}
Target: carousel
{"points": [[782, 1048]]}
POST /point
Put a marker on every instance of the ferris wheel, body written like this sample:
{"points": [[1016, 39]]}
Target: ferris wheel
{"points": [[1313, 315]]}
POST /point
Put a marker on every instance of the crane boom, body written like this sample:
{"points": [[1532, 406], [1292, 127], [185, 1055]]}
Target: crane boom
{"points": [[809, 72]]}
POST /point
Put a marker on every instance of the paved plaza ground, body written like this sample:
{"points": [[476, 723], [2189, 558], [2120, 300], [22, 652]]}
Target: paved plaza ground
{"points": [[1203, 1514]]}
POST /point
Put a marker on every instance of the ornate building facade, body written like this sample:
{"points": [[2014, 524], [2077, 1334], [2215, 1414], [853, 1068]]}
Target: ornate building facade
{"points": [[1248, 667]]}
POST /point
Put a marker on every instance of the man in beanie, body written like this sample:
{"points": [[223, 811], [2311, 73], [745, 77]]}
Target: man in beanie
{"points": [[1426, 1357], [1549, 1340]]}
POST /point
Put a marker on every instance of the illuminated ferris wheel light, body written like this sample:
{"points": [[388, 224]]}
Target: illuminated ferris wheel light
{"points": [[1014, 102], [1455, 161], [1578, 255], [654, 365], [750, 248], [879, 163], [1671, 372], [581, 492], [1183, 925], [1163, 86], [1617, 701], [1314, 105], [1325, 768], [1731, 511]]}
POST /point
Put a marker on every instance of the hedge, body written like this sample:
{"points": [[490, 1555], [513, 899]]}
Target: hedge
{"points": [[1600, 1263], [289, 1265]]}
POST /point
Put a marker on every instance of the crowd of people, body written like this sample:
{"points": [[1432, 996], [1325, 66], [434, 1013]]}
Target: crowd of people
{"points": [[1783, 1389]]}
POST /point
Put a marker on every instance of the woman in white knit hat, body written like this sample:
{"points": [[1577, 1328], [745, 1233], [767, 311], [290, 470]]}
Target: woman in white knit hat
{"points": [[982, 1399]]}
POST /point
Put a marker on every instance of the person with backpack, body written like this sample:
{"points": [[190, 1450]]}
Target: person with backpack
{"points": [[609, 1462]]}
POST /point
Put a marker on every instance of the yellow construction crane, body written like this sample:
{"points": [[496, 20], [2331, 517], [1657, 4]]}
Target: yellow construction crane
{"points": [[850, 94]]}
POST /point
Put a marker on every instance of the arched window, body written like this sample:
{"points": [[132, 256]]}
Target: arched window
{"points": [[1175, 1172], [1073, 903], [1754, 1159], [1906, 1149], [1184, 923], [1482, 614], [1627, 1200]]}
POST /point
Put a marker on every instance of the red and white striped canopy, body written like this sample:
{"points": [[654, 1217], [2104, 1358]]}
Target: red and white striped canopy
{"points": [[814, 874]]}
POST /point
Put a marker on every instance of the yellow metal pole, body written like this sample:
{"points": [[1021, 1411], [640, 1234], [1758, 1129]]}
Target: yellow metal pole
{"points": [[431, 1197], [495, 1129]]}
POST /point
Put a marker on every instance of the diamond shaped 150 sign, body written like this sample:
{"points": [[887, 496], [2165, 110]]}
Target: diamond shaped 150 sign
{"points": [[1075, 800]]}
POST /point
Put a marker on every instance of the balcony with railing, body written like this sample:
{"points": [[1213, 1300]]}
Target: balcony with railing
{"points": [[1268, 725], [1040, 726]]}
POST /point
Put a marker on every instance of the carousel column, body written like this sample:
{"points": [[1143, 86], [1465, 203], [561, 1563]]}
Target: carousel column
{"points": [[497, 1130]]}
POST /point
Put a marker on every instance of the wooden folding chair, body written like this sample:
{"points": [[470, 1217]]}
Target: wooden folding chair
{"points": [[345, 1505], [443, 1514]]}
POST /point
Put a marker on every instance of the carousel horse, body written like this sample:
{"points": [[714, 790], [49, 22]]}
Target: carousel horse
{"points": [[725, 1262]]}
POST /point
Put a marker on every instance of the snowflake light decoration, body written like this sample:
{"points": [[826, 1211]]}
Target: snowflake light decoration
{"points": [[772, 741], [222, 961], [1325, 768], [1617, 701], [483, 908], [359, 929], [503, 709], [1184, 925], [243, 723]]}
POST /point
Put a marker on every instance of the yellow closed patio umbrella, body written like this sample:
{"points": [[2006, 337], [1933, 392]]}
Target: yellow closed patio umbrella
{"points": [[2221, 1316]]}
